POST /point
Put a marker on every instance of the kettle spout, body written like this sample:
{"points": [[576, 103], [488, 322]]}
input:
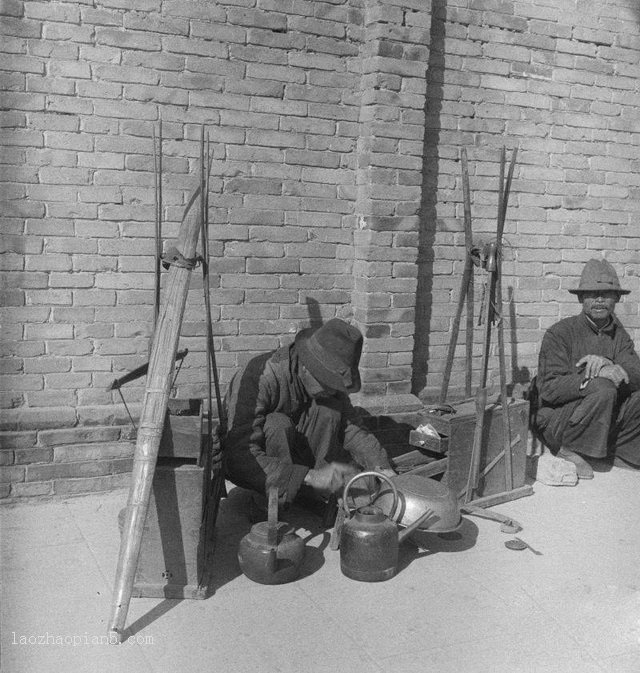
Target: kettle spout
{"points": [[412, 527]]}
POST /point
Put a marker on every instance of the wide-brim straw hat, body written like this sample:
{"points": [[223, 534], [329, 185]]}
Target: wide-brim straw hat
{"points": [[599, 275], [331, 354]]}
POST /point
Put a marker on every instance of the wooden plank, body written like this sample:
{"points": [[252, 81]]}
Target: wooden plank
{"points": [[505, 496]]}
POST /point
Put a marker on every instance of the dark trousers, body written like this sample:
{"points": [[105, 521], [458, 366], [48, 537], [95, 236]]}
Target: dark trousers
{"points": [[603, 423]]}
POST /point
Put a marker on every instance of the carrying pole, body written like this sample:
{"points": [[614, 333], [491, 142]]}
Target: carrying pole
{"points": [[152, 418]]}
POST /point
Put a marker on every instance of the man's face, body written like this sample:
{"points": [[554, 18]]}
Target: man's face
{"points": [[599, 305], [313, 386]]}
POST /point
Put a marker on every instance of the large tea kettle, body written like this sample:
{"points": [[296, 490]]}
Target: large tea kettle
{"points": [[271, 553], [369, 540]]}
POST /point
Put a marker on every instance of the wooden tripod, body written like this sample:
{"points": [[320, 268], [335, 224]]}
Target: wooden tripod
{"points": [[491, 260]]}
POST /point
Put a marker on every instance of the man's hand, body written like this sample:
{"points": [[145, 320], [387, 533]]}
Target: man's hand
{"points": [[592, 365], [330, 478], [614, 373]]}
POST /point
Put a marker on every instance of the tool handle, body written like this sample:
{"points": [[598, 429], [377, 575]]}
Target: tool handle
{"points": [[272, 517]]}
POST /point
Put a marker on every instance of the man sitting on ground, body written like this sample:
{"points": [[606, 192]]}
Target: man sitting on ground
{"points": [[589, 379], [290, 421]]}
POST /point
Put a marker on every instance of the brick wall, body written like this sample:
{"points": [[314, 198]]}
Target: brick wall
{"points": [[559, 79], [335, 128]]}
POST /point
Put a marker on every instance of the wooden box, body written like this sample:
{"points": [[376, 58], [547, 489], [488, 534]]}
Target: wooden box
{"points": [[456, 432], [178, 539]]}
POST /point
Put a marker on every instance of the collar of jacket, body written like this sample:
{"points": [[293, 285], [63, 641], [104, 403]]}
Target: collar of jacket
{"points": [[608, 329]]}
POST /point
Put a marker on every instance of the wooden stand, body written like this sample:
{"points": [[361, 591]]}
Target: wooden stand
{"points": [[178, 537], [456, 431]]}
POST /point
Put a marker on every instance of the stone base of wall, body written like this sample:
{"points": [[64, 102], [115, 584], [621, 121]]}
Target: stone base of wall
{"points": [[65, 469]]}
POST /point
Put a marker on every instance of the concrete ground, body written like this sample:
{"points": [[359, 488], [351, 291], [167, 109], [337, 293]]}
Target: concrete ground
{"points": [[463, 605]]}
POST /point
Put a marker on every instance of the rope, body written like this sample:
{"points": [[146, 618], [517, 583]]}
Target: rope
{"points": [[127, 408]]}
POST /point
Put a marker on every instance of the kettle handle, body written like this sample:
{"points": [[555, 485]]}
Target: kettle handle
{"points": [[272, 517], [379, 475]]}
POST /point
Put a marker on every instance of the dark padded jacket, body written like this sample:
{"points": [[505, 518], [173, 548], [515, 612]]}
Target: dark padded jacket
{"points": [[270, 383], [568, 341]]}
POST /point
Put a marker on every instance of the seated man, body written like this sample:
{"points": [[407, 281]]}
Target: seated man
{"points": [[589, 379], [290, 421]]}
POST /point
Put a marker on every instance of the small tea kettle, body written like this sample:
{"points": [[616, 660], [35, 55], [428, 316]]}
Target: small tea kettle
{"points": [[271, 553], [370, 540]]}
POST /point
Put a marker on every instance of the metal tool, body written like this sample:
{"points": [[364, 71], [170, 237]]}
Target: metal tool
{"points": [[518, 545], [508, 525]]}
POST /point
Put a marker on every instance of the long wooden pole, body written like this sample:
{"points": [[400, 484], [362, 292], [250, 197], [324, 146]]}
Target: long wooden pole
{"points": [[468, 242], [466, 294], [154, 409], [157, 157], [506, 425]]}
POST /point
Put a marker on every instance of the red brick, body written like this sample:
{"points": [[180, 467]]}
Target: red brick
{"points": [[31, 489], [12, 474], [78, 435], [91, 484], [35, 455]]}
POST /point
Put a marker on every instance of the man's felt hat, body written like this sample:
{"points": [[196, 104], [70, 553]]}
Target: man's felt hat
{"points": [[598, 274], [331, 354]]}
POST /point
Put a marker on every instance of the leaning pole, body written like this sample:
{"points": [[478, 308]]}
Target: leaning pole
{"points": [[154, 408]]}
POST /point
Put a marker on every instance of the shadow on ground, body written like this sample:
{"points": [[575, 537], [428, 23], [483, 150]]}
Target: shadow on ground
{"points": [[237, 514]]}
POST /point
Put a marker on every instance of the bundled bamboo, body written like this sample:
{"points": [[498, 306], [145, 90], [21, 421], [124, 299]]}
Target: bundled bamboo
{"points": [[154, 409]]}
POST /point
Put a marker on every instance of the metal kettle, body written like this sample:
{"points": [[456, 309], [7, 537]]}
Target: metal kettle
{"points": [[271, 553], [370, 540]]}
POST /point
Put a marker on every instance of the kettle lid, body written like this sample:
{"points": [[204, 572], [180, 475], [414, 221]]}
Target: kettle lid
{"points": [[371, 514], [260, 531]]}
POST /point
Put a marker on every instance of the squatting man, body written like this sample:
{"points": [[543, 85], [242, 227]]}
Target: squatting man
{"points": [[290, 421], [589, 379]]}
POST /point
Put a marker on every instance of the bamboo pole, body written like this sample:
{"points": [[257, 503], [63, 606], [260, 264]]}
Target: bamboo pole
{"points": [[154, 409]]}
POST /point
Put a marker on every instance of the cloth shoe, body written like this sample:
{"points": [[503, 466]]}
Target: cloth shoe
{"points": [[552, 471], [620, 462], [583, 469]]}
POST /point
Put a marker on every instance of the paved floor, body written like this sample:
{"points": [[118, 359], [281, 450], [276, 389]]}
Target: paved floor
{"points": [[466, 605]]}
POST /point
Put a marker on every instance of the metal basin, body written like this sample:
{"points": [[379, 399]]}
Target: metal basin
{"points": [[416, 495]]}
